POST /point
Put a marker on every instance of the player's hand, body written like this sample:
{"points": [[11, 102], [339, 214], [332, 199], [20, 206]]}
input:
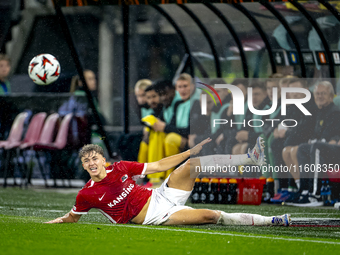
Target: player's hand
{"points": [[242, 136], [219, 139], [276, 133], [282, 133], [230, 109], [57, 220], [159, 126], [199, 146], [191, 140]]}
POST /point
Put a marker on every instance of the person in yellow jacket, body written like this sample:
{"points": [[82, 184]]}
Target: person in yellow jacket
{"points": [[151, 147], [178, 128]]}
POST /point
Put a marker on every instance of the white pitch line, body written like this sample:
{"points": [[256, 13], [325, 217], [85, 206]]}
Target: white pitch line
{"points": [[200, 232], [218, 233], [43, 210], [308, 219], [309, 213]]}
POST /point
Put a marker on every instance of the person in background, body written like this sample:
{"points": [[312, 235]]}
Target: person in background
{"points": [[5, 68], [295, 136], [144, 109], [246, 137], [128, 144], [326, 130], [151, 147]]}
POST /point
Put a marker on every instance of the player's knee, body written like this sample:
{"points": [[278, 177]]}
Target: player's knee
{"points": [[210, 216], [172, 139], [285, 153]]}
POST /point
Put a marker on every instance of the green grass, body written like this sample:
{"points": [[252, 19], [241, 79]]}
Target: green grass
{"points": [[22, 213]]}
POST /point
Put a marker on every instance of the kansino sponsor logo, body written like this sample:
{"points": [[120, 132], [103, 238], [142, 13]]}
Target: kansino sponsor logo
{"points": [[123, 195], [238, 105]]}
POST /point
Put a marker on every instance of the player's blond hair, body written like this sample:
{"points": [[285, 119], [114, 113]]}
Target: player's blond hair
{"points": [[326, 84], [286, 79], [90, 148], [143, 84], [185, 77]]}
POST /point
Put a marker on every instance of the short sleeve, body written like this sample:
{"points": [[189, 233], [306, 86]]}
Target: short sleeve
{"points": [[81, 206], [134, 169]]}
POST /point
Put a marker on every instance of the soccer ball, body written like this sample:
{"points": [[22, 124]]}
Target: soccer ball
{"points": [[44, 69]]}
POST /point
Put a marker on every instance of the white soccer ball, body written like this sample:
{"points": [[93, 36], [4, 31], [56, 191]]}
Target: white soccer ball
{"points": [[44, 69]]}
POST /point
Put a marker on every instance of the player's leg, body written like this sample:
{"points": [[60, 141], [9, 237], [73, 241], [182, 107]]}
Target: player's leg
{"points": [[294, 167], [293, 154], [236, 149], [193, 217], [204, 216], [244, 147], [181, 178]]}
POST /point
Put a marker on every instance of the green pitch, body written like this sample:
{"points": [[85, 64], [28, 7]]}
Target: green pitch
{"points": [[22, 213]]}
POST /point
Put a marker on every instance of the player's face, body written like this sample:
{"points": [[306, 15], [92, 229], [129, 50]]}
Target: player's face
{"points": [[184, 88], [270, 86], [322, 96], [152, 98], [5, 68], [166, 96], [140, 96], [243, 88], [295, 95], [258, 96], [90, 78], [94, 164]]}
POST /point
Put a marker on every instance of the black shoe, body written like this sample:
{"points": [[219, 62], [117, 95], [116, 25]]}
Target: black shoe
{"points": [[293, 198], [307, 200]]}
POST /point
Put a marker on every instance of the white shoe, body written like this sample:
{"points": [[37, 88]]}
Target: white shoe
{"points": [[257, 153], [283, 220]]}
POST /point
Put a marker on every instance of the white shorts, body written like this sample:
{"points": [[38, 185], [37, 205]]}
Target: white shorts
{"points": [[164, 202]]}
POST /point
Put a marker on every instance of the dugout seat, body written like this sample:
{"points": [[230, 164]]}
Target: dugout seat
{"points": [[61, 142], [61, 139], [45, 137], [17, 130], [32, 135]]}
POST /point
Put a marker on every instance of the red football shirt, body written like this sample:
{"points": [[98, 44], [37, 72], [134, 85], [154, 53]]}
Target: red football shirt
{"points": [[117, 196]]}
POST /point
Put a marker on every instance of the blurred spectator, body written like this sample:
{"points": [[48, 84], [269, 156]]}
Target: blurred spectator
{"points": [[326, 129], [296, 135], [128, 144], [246, 137], [5, 68], [178, 129], [229, 133], [270, 130], [144, 109], [77, 85], [216, 112], [168, 96], [78, 90], [7, 110], [151, 148], [203, 128]]}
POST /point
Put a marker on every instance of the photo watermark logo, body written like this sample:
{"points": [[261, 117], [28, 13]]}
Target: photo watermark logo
{"points": [[238, 104]]}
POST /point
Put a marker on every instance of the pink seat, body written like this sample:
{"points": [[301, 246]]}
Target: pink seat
{"points": [[61, 140], [32, 134], [47, 132], [17, 130]]}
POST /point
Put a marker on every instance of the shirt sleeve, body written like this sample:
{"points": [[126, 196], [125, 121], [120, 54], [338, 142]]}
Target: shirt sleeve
{"points": [[81, 206], [134, 169]]}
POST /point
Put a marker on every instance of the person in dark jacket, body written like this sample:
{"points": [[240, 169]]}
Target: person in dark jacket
{"points": [[326, 129], [299, 134], [247, 136]]}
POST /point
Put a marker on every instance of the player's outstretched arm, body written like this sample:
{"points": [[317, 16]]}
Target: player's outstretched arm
{"points": [[67, 218], [172, 161]]}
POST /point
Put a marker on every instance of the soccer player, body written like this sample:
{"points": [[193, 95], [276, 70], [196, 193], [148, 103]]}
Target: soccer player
{"points": [[114, 192]]}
